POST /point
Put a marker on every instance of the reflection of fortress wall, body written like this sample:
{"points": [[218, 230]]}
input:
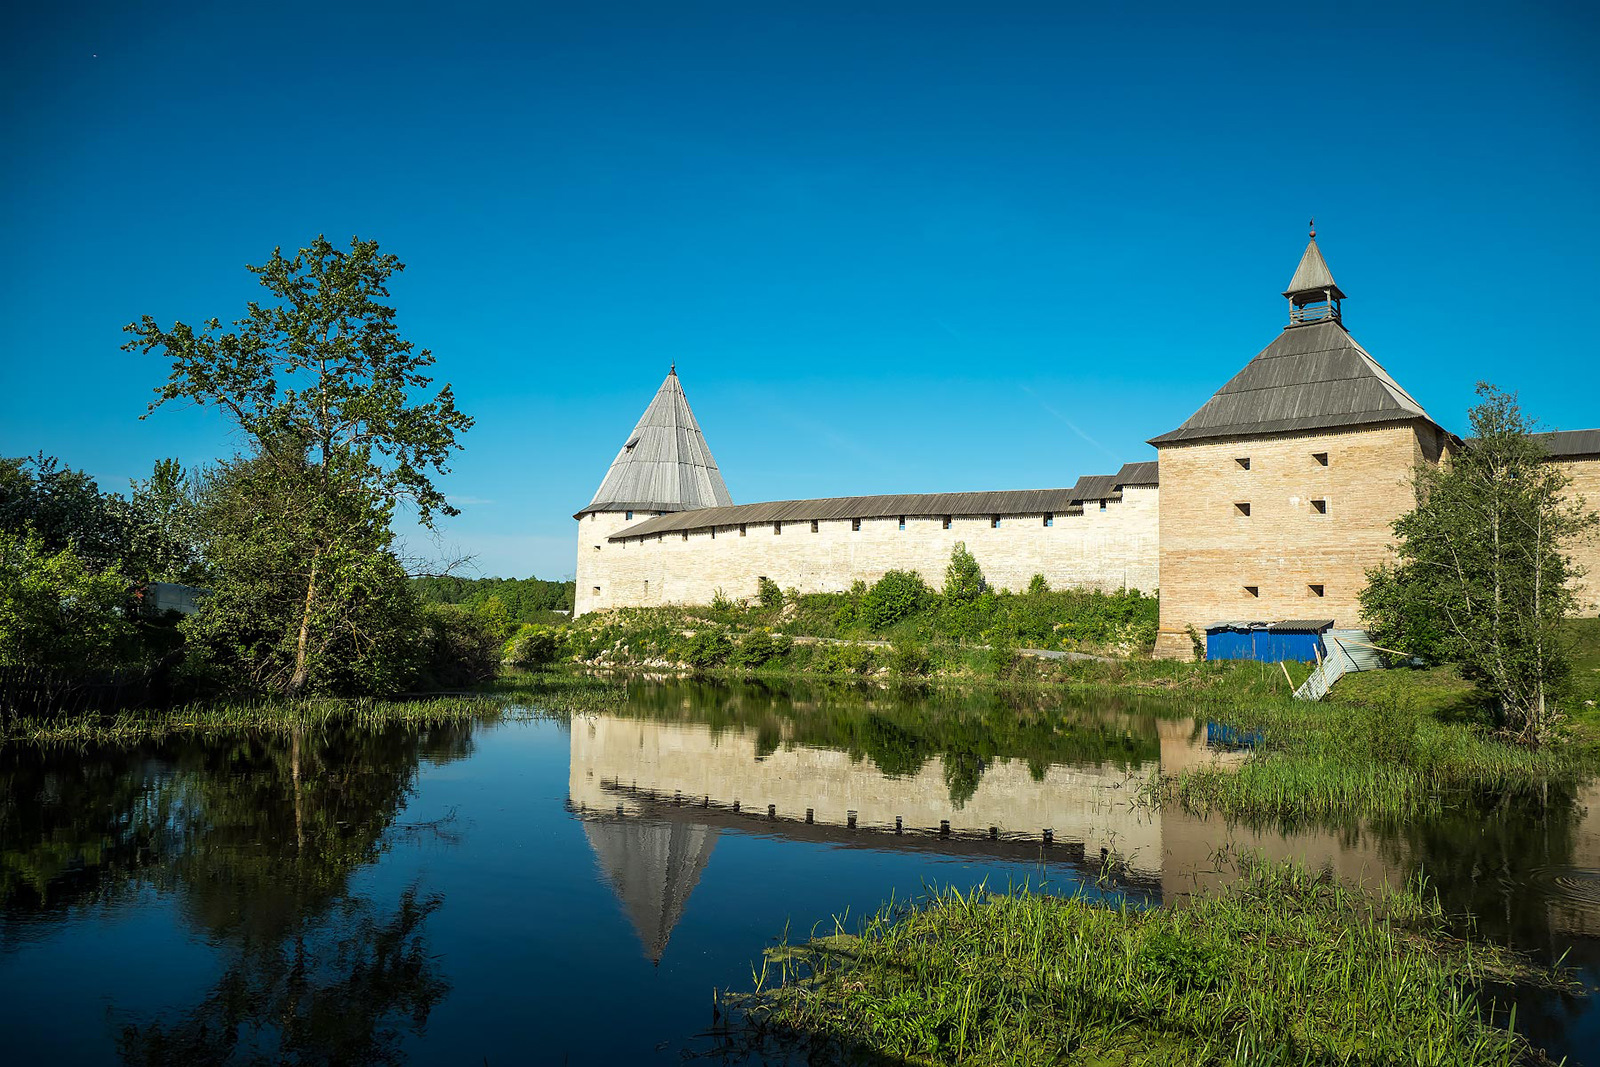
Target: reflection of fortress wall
{"points": [[1091, 806]]}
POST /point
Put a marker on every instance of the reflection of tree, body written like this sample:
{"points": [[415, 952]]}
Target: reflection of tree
{"points": [[900, 730], [255, 837], [333, 993]]}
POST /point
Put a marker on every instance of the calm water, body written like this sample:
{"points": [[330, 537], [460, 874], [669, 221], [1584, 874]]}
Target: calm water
{"points": [[529, 891]]}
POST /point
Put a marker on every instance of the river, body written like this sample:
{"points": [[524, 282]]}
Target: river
{"points": [[524, 889]]}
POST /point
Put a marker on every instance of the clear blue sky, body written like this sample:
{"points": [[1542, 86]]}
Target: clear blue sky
{"points": [[891, 246]]}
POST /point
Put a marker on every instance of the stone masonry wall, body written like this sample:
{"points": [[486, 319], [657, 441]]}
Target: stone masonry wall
{"points": [[1585, 475], [1111, 549], [1211, 551]]}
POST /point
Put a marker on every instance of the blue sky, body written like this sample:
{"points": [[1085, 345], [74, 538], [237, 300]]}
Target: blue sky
{"points": [[891, 246]]}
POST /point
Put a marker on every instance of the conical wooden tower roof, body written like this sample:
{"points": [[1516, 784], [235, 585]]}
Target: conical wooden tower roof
{"points": [[665, 465]]}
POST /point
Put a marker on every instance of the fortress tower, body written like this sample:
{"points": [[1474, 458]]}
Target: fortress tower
{"points": [[1280, 492], [665, 466]]}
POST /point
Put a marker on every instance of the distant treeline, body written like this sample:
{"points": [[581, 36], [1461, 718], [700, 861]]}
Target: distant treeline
{"points": [[524, 599]]}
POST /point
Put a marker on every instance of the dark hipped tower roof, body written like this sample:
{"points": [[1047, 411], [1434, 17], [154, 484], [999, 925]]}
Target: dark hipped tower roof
{"points": [[665, 464], [1315, 376]]}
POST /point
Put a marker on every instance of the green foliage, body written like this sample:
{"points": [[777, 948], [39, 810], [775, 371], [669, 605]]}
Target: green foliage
{"points": [[909, 658], [897, 595], [849, 658], [709, 648], [525, 599], [305, 585], [1037, 586], [533, 646], [963, 581], [760, 648], [1482, 575], [460, 649], [58, 613], [768, 593], [340, 429]]}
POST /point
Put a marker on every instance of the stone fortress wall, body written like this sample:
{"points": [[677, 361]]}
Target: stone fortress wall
{"points": [[1111, 549]]}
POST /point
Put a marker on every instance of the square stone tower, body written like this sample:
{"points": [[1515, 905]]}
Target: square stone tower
{"points": [[1279, 493]]}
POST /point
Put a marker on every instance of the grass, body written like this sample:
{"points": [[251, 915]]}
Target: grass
{"points": [[512, 696], [1284, 968]]}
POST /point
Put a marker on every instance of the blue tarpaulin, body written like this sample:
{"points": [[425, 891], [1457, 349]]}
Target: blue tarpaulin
{"points": [[1295, 639]]}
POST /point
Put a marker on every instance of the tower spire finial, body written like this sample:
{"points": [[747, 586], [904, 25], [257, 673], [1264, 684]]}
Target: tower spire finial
{"points": [[1313, 228], [673, 370]]}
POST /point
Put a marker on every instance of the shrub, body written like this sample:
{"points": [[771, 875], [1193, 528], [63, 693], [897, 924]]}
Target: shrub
{"points": [[897, 595], [1003, 657], [768, 593], [1037, 585], [708, 648], [758, 649], [849, 659], [534, 646], [910, 658], [459, 648]]}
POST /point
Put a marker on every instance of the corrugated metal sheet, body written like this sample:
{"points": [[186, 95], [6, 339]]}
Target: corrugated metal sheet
{"points": [[1312, 275], [665, 465], [1310, 378], [1565, 443], [913, 505]]}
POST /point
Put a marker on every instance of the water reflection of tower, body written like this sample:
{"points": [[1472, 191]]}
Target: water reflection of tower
{"points": [[653, 866]]}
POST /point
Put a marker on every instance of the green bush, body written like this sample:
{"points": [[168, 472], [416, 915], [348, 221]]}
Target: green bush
{"points": [[758, 649], [963, 581], [708, 648], [533, 646], [909, 658], [768, 593], [896, 596], [459, 648], [849, 659]]}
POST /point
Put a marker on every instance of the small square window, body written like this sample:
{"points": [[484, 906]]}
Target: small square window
{"points": [[1252, 590], [628, 515], [813, 525], [1049, 519], [777, 529], [855, 525], [1321, 458], [994, 522], [686, 535], [1102, 505], [713, 533], [597, 589], [743, 532], [597, 548], [1242, 508], [1316, 590], [1320, 507], [1243, 462], [902, 522], [947, 522]]}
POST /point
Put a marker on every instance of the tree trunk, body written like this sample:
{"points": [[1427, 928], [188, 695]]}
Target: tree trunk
{"points": [[302, 662]]}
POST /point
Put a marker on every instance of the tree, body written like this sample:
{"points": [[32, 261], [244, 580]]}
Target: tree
{"points": [[1481, 576], [307, 591], [59, 613], [963, 581], [324, 387]]}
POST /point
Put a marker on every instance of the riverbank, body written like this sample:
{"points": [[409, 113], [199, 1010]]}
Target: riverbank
{"points": [[552, 692], [1283, 967]]}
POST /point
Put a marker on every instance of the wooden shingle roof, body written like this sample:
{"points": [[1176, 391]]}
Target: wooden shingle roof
{"points": [[1312, 377], [665, 465], [919, 505]]}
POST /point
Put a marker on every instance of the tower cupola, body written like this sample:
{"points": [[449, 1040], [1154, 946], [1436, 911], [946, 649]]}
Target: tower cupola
{"points": [[1313, 294]]}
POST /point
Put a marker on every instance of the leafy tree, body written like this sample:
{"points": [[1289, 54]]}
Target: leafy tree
{"points": [[64, 508], [963, 581], [165, 536], [58, 612], [323, 385], [307, 592], [1481, 572], [768, 593]]}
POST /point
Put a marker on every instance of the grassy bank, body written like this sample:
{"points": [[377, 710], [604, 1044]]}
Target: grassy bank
{"points": [[541, 693], [1283, 968]]}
